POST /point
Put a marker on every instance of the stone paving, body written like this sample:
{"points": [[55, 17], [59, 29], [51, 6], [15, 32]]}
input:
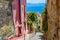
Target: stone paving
{"points": [[33, 36]]}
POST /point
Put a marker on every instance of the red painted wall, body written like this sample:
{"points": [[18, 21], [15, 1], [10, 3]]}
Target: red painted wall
{"points": [[16, 16], [18, 7], [19, 16]]}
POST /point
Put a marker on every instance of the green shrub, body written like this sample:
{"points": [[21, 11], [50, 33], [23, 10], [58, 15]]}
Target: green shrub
{"points": [[32, 16], [44, 26], [44, 21]]}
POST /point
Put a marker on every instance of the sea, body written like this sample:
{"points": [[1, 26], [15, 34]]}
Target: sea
{"points": [[35, 7]]}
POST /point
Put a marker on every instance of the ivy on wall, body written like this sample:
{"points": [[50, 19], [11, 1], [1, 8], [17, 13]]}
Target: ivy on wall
{"points": [[44, 26], [44, 21]]}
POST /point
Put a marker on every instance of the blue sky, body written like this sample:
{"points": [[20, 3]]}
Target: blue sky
{"points": [[36, 1]]}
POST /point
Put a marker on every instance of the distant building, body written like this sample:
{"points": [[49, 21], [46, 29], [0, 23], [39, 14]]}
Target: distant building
{"points": [[38, 16], [41, 19]]}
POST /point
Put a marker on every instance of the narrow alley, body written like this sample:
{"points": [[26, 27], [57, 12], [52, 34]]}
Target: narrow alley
{"points": [[33, 36]]}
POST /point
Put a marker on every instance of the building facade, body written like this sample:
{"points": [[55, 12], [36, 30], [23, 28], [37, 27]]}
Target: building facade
{"points": [[18, 8], [19, 16]]}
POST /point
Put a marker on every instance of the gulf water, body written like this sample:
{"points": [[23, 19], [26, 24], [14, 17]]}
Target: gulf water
{"points": [[35, 7]]}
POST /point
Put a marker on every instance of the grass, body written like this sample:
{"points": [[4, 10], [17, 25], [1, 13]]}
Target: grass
{"points": [[6, 29]]}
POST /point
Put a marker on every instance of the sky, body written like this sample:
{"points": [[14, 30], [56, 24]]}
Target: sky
{"points": [[36, 1]]}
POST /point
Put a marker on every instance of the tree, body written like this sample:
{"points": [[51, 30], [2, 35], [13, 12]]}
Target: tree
{"points": [[32, 16]]}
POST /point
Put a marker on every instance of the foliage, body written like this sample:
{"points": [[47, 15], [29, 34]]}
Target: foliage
{"points": [[44, 26], [32, 16], [30, 22], [44, 21], [44, 10], [6, 29]]}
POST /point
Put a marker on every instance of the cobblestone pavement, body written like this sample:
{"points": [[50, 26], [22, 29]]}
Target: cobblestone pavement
{"points": [[33, 36]]}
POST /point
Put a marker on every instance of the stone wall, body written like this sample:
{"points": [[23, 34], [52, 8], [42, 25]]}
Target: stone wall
{"points": [[53, 11], [6, 19], [5, 13]]}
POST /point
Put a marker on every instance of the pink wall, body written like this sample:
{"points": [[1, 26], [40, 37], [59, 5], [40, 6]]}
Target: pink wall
{"points": [[16, 16]]}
